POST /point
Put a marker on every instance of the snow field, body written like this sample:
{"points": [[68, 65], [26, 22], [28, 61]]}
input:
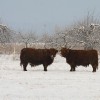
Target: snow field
{"points": [[58, 83]]}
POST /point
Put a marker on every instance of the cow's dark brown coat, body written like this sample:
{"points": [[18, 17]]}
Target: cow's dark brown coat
{"points": [[36, 57], [80, 57]]}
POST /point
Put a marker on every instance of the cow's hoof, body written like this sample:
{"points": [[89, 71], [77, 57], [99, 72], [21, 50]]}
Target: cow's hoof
{"points": [[24, 70], [94, 71], [45, 70]]}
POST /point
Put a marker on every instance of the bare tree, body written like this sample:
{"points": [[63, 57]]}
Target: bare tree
{"points": [[27, 38], [44, 39]]}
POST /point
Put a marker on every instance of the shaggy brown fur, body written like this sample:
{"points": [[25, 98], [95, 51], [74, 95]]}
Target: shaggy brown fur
{"points": [[80, 57], [37, 57]]}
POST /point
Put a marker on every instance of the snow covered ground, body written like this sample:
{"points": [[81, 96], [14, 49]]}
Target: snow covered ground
{"points": [[58, 83]]}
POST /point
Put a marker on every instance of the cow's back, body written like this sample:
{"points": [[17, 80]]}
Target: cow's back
{"points": [[80, 57], [36, 57], [33, 55]]}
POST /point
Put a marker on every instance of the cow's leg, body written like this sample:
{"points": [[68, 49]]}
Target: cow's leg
{"points": [[72, 67], [94, 68], [24, 66], [45, 67]]}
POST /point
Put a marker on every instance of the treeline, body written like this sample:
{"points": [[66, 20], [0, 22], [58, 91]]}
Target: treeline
{"points": [[83, 34]]}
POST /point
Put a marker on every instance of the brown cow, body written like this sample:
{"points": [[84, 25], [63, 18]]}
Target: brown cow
{"points": [[80, 57], [36, 57]]}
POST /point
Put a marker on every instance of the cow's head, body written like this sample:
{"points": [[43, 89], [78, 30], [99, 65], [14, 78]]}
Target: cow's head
{"points": [[53, 52], [64, 52]]}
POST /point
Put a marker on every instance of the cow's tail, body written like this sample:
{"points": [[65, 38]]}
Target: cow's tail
{"points": [[97, 61], [21, 58], [97, 65], [21, 64]]}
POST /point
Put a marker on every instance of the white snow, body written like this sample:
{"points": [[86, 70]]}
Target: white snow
{"points": [[58, 83]]}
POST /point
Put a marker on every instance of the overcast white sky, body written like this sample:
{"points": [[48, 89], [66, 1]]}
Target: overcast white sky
{"points": [[44, 15]]}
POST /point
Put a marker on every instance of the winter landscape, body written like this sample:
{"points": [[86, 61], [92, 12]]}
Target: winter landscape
{"points": [[45, 24], [58, 83]]}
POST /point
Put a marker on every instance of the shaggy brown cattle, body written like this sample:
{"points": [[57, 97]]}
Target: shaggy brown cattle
{"points": [[80, 57], [36, 57]]}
